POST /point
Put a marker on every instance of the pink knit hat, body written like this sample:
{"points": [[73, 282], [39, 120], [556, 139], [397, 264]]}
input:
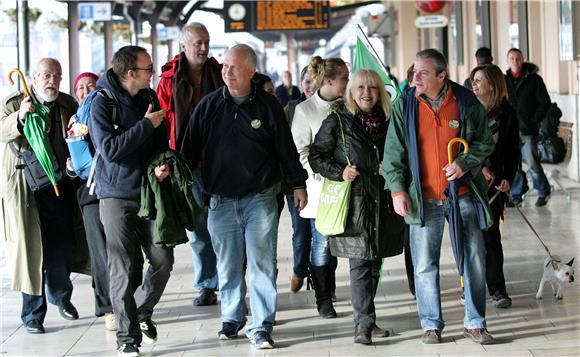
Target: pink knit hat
{"points": [[83, 75]]}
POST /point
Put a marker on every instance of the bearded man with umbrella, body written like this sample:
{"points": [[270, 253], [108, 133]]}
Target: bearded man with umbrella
{"points": [[416, 170], [38, 225]]}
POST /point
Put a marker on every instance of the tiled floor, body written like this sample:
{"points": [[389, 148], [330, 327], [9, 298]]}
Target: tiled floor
{"points": [[529, 328]]}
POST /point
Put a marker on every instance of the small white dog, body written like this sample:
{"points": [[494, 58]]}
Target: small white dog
{"points": [[558, 274]]}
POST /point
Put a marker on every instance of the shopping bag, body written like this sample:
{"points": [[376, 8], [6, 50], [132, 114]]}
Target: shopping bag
{"points": [[314, 187], [333, 207]]}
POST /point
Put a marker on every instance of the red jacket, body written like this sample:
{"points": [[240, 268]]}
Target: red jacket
{"points": [[211, 80]]}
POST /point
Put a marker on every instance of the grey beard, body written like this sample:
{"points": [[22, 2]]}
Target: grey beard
{"points": [[46, 97]]}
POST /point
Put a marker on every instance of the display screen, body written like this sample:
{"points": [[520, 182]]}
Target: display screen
{"points": [[291, 15]]}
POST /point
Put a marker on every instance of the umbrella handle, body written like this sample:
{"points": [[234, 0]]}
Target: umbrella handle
{"points": [[26, 91], [450, 147]]}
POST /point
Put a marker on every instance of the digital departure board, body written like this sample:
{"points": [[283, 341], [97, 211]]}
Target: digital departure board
{"points": [[291, 15]]}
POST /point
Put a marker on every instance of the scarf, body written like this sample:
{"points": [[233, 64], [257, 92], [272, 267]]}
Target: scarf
{"points": [[184, 98], [372, 121]]}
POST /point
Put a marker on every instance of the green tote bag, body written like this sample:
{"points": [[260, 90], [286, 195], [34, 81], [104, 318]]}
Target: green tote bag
{"points": [[334, 201]]}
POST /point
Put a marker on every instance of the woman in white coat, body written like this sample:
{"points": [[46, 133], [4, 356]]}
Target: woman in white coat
{"points": [[331, 77]]}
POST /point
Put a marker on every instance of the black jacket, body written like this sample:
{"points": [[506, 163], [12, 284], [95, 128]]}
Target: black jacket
{"points": [[373, 229], [504, 160], [529, 97], [241, 147]]}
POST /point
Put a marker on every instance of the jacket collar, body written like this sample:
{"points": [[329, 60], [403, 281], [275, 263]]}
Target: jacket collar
{"points": [[228, 97], [323, 103]]}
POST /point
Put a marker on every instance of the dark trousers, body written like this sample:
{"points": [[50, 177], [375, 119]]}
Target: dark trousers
{"points": [[494, 252], [56, 231], [133, 298], [96, 242], [364, 280]]}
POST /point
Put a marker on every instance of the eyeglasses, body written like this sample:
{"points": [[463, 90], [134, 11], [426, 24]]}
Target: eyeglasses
{"points": [[148, 69], [47, 76]]}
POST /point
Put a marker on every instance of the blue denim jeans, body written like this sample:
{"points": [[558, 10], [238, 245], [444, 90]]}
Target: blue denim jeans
{"points": [[301, 240], [320, 253], [530, 158], [246, 228], [426, 251], [203, 255]]}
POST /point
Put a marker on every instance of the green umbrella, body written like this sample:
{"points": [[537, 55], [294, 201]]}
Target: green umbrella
{"points": [[35, 133]]}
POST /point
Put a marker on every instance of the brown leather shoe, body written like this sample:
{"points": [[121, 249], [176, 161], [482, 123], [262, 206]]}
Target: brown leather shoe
{"points": [[296, 283], [478, 335], [431, 337]]}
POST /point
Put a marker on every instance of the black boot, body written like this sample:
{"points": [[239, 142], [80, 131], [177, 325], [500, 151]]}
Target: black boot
{"points": [[321, 280]]}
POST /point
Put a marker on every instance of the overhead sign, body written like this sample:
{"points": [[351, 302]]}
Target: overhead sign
{"points": [[431, 21], [96, 11], [172, 32], [278, 15], [291, 15]]}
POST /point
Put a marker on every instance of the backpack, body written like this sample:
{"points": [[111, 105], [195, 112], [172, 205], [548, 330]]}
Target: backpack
{"points": [[78, 141], [551, 148]]}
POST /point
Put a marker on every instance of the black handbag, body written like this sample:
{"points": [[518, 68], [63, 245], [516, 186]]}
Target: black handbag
{"points": [[551, 150], [34, 174]]}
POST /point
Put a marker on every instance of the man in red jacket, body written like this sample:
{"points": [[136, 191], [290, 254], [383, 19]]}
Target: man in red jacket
{"points": [[185, 80]]}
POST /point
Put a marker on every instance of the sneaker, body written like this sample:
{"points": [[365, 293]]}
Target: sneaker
{"points": [[363, 335], [542, 201], [149, 331], [230, 330], [462, 299], [128, 350], [502, 302], [110, 322], [431, 337], [206, 297], [296, 284], [478, 335], [262, 340], [34, 327]]}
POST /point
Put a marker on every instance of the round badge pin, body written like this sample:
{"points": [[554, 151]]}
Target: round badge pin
{"points": [[454, 123], [256, 123]]}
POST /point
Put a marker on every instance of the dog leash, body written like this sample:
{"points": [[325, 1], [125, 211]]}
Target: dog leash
{"points": [[528, 223]]}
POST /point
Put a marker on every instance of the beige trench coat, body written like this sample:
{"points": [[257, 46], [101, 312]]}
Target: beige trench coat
{"points": [[21, 222]]}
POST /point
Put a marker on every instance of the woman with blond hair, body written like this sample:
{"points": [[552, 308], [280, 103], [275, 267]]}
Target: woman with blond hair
{"points": [[488, 84], [331, 77], [348, 147]]}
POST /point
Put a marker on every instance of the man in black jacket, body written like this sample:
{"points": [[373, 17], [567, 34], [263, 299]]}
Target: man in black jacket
{"points": [[527, 94], [239, 136], [126, 145]]}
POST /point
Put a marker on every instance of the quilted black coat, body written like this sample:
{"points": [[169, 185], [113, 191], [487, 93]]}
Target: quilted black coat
{"points": [[373, 229]]}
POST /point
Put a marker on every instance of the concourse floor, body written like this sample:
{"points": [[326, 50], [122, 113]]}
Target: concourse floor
{"points": [[529, 328]]}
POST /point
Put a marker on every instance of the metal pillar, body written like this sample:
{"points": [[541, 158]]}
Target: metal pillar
{"points": [[73, 42], [23, 38], [108, 33], [133, 24]]}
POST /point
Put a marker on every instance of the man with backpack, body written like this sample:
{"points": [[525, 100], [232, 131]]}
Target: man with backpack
{"points": [[527, 94], [126, 145]]}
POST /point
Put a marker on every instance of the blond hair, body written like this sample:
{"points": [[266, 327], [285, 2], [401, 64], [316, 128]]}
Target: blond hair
{"points": [[369, 77], [320, 68]]}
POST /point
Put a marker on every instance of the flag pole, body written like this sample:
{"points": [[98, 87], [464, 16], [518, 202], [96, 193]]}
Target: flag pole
{"points": [[372, 48]]}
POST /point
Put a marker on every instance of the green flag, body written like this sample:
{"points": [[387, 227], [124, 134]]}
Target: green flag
{"points": [[364, 58]]}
